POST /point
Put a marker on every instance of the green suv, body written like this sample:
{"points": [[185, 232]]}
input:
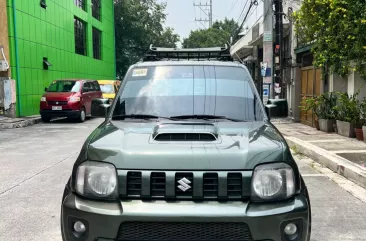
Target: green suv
{"points": [[186, 152]]}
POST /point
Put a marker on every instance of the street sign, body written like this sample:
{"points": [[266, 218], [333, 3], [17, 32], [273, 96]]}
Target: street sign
{"points": [[267, 36]]}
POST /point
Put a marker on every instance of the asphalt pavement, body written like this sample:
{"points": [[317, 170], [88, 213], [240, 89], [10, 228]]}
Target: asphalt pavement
{"points": [[36, 161]]}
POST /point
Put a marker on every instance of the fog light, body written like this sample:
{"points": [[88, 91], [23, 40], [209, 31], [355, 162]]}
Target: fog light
{"points": [[290, 229], [79, 227]]}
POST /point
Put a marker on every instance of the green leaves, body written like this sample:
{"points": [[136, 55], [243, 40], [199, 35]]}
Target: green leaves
{"points": [[137, 25], [218, 35], [339, 31]]}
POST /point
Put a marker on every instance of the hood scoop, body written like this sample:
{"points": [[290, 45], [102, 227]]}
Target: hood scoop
{"points": [[185, 132]]}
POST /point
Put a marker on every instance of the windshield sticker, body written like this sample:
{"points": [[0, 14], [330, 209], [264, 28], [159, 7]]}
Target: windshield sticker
{"points": [[139, 72]]}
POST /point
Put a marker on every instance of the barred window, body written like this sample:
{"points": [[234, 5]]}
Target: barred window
{"points": [[80, 36], [97, 43], [96, 9], [80, 4]]}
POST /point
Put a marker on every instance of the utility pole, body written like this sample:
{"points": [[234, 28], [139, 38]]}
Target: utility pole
{"points": [[278, 45], [267, 49], [207, 10]]}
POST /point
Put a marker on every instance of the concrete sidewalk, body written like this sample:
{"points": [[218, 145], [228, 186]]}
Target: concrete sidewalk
{"points": [[10, 123], [346, 156]]}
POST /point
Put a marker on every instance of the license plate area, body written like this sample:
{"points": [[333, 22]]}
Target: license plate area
{"points": [[56, 107]]}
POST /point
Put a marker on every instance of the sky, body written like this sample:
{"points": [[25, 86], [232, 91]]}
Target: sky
{"points": [[182, 13]]}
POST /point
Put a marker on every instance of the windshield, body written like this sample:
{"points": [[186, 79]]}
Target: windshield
{"points": [[64, 86], [107, 88], [189, 90]]}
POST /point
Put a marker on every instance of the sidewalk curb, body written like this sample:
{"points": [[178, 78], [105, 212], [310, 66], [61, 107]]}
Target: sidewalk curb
{"points": [[334, 162], [20, 124]]}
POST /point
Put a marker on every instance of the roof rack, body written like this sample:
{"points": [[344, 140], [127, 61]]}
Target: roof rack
{"points": [[215, 53]]}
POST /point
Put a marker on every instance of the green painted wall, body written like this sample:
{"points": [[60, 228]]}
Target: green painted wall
{"points": [[50, 33]]}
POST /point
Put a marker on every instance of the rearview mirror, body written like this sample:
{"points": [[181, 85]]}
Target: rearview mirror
{"points": [[100, 107]]}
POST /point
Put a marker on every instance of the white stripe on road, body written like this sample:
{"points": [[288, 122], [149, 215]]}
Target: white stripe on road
{"points": [[349, 151], [313, 175], [327, 140]]}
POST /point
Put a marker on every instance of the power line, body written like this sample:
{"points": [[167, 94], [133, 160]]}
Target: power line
{"points": [[240, 16], [232, 7], [245, 18]]}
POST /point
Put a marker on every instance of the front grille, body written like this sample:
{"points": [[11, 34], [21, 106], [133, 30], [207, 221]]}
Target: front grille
{"points": [[234, 185], [210, 185], [134, 182], [57, 102], [183, 231], [184, 185], [157, 184]]}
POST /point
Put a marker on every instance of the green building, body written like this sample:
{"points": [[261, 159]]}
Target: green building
{"points": [[44, 40]]}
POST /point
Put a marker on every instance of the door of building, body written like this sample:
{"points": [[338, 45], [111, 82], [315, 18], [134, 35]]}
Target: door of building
{"points": [[311, 79]]}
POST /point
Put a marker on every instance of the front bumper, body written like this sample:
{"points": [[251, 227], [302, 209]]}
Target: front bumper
{"points": [[103, 220], [61, 113]]}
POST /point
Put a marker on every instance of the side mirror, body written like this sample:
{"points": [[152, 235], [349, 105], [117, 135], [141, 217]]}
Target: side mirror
{"points": [[45, 89], [100, 107]]}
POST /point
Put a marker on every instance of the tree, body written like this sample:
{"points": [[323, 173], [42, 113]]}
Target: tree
{"points": [[137, 25], [229, 25], [167, 39], [218, 35], [337, 30]]}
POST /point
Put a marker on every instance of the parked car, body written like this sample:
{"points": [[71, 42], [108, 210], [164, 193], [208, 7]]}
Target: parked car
{"points": [[186, 152], [109, 88], [69, 98]]}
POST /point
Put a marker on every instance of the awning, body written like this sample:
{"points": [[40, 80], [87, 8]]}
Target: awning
{"points": [[302, 49]]}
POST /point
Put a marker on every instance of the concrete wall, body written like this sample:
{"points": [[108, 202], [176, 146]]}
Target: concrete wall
{"points": [[337, 83], [360, 83]]}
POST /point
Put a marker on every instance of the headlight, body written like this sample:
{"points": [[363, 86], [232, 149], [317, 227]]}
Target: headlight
{"points": [[43, 99], [273, 182], [74, 99], [96, 179]]}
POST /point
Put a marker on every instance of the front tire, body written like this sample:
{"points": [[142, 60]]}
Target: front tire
{"points": [[82, 115]]}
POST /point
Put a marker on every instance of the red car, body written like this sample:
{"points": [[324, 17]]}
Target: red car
{"points": [[69, 98]]}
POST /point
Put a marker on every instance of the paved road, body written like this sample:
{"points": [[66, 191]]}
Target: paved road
{"points": [[35, 163]]}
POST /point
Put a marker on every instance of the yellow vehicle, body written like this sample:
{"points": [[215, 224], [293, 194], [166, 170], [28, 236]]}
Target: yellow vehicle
{"points": [[109, 88]]}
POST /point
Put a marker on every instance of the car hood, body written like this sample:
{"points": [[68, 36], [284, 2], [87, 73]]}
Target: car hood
{"points": [[58, 94], [239, 145]]}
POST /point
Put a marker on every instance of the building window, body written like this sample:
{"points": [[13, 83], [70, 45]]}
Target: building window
{"points": [[80, 36], [97, 43], [80, 4], [96, 9]]}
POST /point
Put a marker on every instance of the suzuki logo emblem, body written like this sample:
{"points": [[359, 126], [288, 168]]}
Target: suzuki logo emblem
{"points": [[184, 184]]}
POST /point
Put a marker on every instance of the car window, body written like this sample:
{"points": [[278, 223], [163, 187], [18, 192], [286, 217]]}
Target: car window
{"points": [[97, 86], [190, 90], [86, 87], [107, 88], [64, 86]]}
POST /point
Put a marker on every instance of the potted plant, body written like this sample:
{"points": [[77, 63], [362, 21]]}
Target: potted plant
{"points": [[326, 112], [363, 118], [311, 104], [347, 114]]}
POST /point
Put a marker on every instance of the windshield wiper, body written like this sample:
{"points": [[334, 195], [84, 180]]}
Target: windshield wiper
{"points": [[204, 117], [139, 116]]}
